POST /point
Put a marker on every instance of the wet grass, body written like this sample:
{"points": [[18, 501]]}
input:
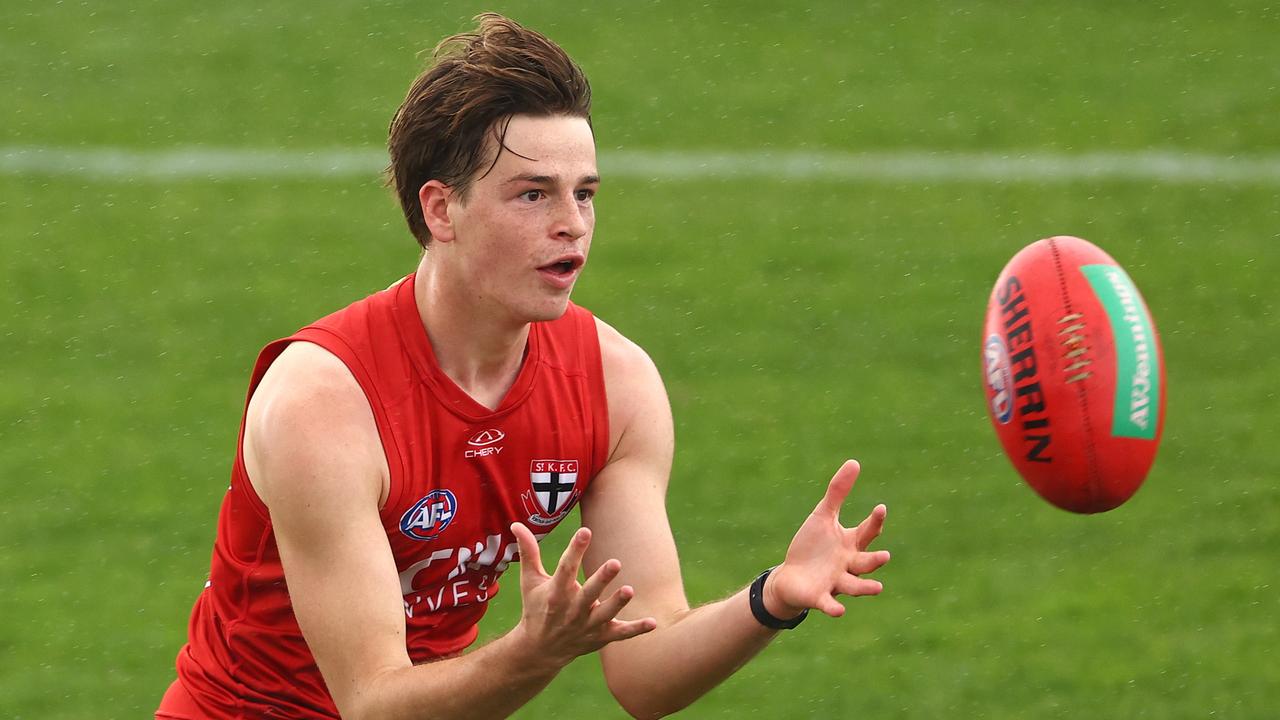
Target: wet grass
{"points": [[796, 324]]}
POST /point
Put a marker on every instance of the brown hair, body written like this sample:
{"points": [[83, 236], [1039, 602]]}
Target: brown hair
{"points": [[477, 82]]}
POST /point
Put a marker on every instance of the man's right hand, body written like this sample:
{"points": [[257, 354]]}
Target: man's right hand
{"points": [[562, 618]]}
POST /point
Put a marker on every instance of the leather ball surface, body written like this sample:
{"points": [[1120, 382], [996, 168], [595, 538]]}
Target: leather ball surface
{"points": [[1075, 380]]}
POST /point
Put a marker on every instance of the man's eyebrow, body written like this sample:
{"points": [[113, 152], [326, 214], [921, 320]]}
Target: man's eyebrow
{"points": [[530, 178], [547, 179]]}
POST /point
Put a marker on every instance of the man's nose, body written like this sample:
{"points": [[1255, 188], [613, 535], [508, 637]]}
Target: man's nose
{"points": [[571, 220]]}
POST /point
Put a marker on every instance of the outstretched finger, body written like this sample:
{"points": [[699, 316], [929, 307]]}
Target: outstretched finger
{"points": [[571, 560], [609, 608], [857, 586], [828, 606], [625, 629], [594, 587], [530, 557], [869, 529], [838, 489], [865, 562]]}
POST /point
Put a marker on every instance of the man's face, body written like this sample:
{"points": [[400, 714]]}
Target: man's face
{"points": [[522, 235]]}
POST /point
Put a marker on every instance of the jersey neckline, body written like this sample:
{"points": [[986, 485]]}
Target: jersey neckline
{"points": [[418, 345]]}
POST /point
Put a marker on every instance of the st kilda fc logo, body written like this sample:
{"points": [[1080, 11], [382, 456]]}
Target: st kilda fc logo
{"points": [[429, 516], [553, 491]]}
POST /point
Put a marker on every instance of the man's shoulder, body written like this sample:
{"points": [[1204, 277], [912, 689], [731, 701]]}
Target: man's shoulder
{"points": [[307, 389], [638, 405], [307, 413], [620, 355], [306, 370]]}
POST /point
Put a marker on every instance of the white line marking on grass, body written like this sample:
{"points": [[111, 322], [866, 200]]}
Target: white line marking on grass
{"points": [[192, 162], [912, 166], [1156, 166]]}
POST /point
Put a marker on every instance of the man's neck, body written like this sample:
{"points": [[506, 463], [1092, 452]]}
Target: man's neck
{"points": [[482, 353]]}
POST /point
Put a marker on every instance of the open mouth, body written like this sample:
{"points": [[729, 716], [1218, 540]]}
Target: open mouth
{"points": [[563, 272], [564, 266]]}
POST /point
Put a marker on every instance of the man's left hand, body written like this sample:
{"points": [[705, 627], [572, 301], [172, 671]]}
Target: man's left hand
{"points": [[826, 559]]}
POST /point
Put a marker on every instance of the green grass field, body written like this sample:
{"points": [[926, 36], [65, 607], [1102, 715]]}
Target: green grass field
{"points": [[797, 322]]}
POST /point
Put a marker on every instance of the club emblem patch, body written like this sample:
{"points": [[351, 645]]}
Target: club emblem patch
{"points": [[553, 490], [429, 516]]}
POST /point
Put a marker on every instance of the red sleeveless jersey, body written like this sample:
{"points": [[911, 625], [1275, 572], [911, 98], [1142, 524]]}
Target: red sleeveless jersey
{"points": [[460, 474]]}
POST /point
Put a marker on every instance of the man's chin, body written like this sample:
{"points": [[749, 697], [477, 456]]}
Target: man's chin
{"points": [[555, 313], [548, 310]]}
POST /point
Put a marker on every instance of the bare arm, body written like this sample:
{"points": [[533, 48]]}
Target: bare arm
{"points": [[313, 453], [692, 651]]}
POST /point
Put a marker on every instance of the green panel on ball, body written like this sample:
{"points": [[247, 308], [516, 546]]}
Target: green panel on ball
{"points": [[1137, 396]]}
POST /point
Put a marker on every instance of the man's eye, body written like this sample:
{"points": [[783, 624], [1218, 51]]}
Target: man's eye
{"points": [[531, 195], [585, 195]]}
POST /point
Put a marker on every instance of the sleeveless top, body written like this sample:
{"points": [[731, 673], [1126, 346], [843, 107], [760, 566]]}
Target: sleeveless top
{"points": [[460, 474]]}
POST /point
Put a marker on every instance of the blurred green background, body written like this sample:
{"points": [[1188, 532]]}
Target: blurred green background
{"points": [[797, 322]]}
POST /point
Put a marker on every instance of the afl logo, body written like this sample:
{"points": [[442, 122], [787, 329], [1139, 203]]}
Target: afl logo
{"points": [[486, 437], [999, 381], [429, 516]]}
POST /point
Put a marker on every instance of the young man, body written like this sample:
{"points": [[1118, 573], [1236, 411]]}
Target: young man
{"points": [[396, 455]]}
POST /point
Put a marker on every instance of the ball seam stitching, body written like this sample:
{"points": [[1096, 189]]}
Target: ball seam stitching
{"points": [[1091, 454]]}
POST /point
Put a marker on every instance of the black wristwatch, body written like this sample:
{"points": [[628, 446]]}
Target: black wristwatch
{"points": [[756, 595]]}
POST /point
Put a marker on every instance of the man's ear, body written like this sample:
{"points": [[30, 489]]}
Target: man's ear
{"points": [[434, 197]]}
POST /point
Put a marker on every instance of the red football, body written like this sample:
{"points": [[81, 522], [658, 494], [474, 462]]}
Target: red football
{"points": [[1074, 374]]}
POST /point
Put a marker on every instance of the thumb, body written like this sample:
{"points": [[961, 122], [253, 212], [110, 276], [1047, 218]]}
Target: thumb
{"points": [[838, 489], [530, 557]]}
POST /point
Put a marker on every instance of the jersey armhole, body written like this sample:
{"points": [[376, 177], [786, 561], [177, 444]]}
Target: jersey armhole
{"points": [[335, 345], [597, 397]]}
